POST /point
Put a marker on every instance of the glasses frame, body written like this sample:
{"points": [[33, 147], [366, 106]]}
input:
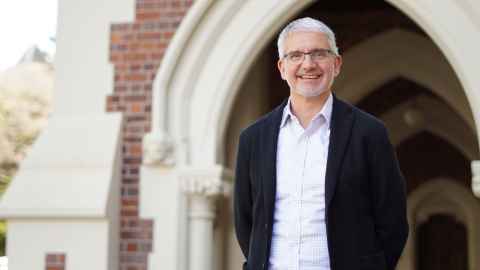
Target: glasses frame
{"points": [[324, 52]]}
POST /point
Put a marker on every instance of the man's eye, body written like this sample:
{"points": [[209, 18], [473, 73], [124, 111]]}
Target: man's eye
{"points": [[319, 53], [295, 56]]}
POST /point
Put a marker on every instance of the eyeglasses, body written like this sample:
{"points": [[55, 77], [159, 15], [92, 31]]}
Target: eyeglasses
{"points": [[316, 55]]}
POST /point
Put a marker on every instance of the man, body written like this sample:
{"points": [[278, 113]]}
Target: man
{"points": [[318, 185]]}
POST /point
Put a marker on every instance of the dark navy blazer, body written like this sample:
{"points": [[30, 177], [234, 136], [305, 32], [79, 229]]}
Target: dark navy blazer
{"points": [[364, 192]]}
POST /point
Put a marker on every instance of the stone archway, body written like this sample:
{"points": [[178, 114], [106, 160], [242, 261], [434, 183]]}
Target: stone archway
{"points": [[443, 196], [237, 32], [199, 80]]}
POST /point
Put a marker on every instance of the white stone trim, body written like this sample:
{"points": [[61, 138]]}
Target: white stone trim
{"points": [[207, 182], [169, 62], [158, 149], [203, 186], [476, 177]]}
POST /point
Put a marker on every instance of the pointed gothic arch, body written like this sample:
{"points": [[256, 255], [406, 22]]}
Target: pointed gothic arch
{"points": [[223, 39], [443, 196], [370, 64], [200, 77]]}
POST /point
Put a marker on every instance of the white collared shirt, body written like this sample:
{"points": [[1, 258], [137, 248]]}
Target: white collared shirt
{"points": [[299, 239]]}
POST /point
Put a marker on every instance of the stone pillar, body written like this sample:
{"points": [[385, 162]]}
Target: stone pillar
{"points": [[476, 177], [203, 187]]}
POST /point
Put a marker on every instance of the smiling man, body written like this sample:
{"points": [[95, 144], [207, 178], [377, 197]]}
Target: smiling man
{"points": [[317, 185]]}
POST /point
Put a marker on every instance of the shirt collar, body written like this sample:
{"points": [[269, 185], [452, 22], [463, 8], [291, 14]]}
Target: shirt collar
{"points": [[326, 112]]}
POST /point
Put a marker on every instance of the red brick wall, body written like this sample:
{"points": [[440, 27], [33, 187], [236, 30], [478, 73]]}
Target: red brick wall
{"points": [[136, 51], [55, 261]]}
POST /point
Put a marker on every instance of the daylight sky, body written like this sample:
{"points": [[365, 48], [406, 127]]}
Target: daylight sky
{"points": [[24, 23]]}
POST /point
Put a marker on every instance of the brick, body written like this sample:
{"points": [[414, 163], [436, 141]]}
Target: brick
{"points": [[130, 180], [148, 16], [150, 36], [129, 202], [129, 212], [146, 223], [168, 35], [51, 258], [136, 51], [136, 107], [132, 247], [55, 261], [134, 57], [61, 258], [135, 150]]}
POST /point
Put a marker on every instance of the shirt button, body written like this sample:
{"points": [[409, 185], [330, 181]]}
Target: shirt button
{"points": [[266, 226], [263, 265]]}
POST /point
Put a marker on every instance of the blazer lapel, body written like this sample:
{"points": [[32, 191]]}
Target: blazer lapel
{"points": [[269, 138], [340, 130]]}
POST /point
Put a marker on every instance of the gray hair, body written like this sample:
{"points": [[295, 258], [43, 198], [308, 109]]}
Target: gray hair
{"points": [[309, 25]]}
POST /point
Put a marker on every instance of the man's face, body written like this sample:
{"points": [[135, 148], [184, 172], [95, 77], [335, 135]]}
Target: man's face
{"points": [[309, 78]]}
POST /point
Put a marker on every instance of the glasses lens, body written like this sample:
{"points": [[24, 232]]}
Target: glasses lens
{"points": [[295, 56], [318, 55]]}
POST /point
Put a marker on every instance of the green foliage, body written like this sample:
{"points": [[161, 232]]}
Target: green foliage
{"points": [[5, 178], [3, 237]]}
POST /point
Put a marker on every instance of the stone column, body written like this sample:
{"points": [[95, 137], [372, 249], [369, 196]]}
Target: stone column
{"points": [[476, 177], [203, 187]]}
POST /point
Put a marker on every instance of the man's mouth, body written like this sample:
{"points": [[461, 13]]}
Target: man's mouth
{"points": [[309, 77]]}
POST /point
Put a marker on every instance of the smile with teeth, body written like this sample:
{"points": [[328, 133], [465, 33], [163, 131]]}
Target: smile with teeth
{"points": [[309, 77]]}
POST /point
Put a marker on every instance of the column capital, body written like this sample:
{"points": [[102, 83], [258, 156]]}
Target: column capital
{"points": [[209, 182], [475, 165], [158, 149]]}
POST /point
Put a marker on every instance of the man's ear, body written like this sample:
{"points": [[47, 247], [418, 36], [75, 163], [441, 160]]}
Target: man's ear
{"points": [[338, 64], [281, 68]]}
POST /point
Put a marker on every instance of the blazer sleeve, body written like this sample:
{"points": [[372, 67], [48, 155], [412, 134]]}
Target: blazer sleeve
{"points": [[389, 198], [242, 196]]}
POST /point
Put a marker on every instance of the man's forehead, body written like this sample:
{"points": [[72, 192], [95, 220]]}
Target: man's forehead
{"points": [[306, 39]]}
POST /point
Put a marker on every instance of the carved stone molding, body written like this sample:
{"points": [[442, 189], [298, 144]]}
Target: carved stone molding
{"points": [[158, 149], [203, 187], [476, 177], [206, 182]]}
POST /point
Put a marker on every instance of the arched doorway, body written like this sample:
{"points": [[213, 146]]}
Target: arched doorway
{"points": [[211, 57], [432, 253], [419, 103], [443, 215]]}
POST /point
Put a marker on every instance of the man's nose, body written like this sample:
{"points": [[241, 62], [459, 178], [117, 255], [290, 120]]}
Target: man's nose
{"points": [[308, 61]]}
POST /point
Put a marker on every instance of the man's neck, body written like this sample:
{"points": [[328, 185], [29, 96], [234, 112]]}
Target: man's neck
{"points": [[305, 108]]}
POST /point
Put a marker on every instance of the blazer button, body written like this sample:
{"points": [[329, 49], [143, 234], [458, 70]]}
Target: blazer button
{"points": [[263, 265], [266, 226]]}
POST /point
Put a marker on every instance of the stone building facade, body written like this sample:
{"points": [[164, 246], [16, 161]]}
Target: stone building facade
{"points": [[134, 171]]}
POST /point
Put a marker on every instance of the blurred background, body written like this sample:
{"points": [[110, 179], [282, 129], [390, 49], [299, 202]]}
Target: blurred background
{"points": [[27, 51]]}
